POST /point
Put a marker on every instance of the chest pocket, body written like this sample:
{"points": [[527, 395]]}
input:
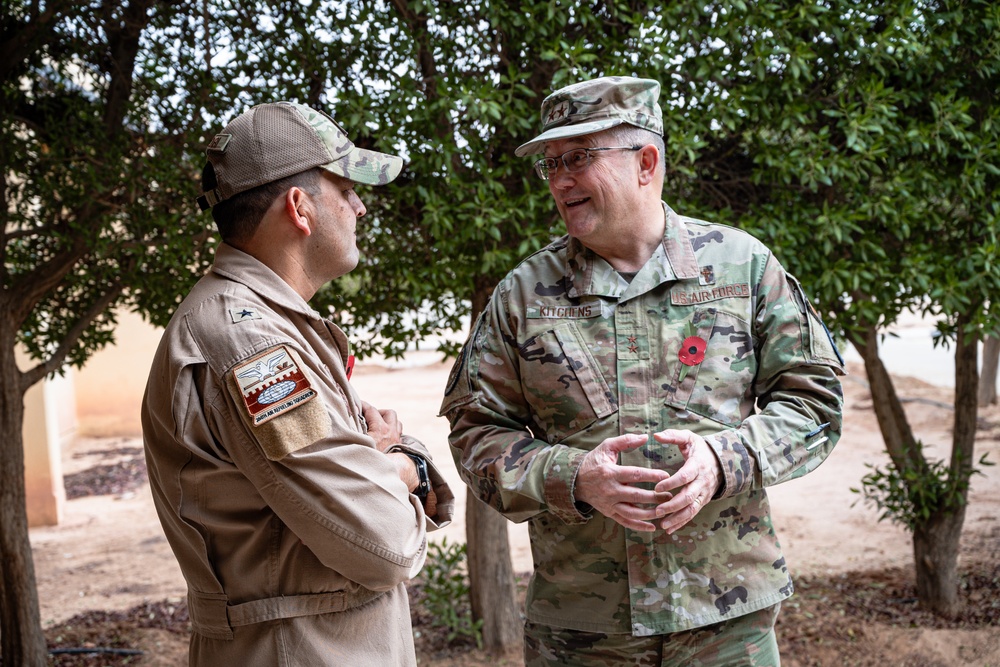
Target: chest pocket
{"points": [[719, 385], [563, 383]]}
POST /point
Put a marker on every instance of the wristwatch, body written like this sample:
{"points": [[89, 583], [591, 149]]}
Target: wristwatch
{"points": [[423, 477]]}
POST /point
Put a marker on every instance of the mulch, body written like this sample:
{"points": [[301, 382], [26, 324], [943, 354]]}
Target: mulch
{"points": [[124, 473], [833, 620], [105, 638]]}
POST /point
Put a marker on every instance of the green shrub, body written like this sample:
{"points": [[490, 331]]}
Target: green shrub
{"points": [[446, 589], [909, 497]]}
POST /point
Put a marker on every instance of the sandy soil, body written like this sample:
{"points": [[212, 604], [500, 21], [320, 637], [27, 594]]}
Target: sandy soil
{"points": [[110, 553]]}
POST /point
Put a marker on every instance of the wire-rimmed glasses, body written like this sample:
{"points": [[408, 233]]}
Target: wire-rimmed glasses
{"points": [[574, 160]]}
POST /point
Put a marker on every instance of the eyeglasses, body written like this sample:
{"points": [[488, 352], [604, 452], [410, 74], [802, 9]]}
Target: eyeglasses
{"points": [[575, 160]]}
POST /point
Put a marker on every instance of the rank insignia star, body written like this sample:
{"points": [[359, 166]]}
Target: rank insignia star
{"points": [[243, 314]]}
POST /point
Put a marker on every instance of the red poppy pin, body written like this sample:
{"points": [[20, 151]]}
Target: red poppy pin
{"points": [[692, 351]]}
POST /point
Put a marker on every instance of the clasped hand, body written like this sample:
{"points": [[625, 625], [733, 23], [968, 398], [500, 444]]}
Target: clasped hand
{"points": [[384, 427], [613, 489]]}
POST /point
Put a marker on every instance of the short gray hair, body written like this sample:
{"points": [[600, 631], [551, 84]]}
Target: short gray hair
{"points": [[630, 135]]}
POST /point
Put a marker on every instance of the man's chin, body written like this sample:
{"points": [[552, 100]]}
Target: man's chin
{"points": [[347, 265], [576, 226]]}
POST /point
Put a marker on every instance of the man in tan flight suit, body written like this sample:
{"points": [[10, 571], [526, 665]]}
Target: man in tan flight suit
{"points": [[295, 509]]}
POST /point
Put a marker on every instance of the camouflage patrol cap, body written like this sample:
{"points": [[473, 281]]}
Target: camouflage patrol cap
{"points": [[592, 106], [272, 141]]}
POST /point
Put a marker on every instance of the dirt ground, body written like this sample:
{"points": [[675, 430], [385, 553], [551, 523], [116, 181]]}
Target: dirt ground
{"points": [[106, 576]]}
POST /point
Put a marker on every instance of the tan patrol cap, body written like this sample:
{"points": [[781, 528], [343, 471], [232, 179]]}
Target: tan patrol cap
{"points": [[599, 104], [272, 141]]}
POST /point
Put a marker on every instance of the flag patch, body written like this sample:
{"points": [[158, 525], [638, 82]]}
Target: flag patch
{"points": [[271, 384]]}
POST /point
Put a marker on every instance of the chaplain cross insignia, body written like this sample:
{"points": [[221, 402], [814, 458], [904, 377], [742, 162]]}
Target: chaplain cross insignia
{"points": [[707, 275]]}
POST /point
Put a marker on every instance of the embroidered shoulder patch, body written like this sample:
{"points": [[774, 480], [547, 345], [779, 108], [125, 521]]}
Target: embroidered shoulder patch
{"points": [[272, 384], [680, 297]]}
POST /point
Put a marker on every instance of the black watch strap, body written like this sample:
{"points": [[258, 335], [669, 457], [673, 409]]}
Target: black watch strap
{"points": [[423, 477]]}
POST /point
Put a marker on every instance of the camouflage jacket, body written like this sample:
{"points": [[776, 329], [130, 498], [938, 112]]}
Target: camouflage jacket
{"points": [[569, 353]]}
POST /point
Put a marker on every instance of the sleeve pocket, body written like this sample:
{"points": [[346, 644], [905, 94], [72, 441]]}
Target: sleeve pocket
{"points": [[820, 344], [794, 454]]}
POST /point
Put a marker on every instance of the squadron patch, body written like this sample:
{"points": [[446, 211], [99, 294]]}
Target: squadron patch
{"points": [[272, 384]]}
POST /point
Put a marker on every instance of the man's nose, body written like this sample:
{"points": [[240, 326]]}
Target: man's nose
{"points": [[358, 205], [560, 177]]}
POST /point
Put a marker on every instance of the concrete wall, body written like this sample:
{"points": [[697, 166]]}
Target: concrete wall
{"points": [[102, 399], [49, 425]]}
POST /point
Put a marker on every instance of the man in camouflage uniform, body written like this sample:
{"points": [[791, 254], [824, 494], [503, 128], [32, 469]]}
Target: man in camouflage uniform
{"points": [[296, 511], [630, 390]]}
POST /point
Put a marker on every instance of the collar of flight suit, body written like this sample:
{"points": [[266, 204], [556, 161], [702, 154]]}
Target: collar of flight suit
{"points": [[245, 269], [589, 274]]}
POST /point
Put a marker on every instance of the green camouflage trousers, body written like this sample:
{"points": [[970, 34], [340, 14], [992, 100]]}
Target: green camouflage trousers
{"points": [[746, 641]]}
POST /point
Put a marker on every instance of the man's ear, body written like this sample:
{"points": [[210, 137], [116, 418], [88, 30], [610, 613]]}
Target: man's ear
{"points": [[649, 161], [299, 210]]}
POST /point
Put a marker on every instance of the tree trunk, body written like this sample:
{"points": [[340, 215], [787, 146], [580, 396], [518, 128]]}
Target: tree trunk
{"points": [[966, 410], [491, 575], [988, 379], [936, 539], [896, 432], [935, 554], [21, 640], [492, 578]]}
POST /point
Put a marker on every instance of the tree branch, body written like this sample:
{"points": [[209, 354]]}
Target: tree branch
{"points": [[58, 358], [123, 46], [32, 286], [417, 24], [14, 234], [19, 40]]}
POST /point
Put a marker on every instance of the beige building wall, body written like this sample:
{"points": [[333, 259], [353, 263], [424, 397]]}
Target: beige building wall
{"points": [[110, 385]]}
